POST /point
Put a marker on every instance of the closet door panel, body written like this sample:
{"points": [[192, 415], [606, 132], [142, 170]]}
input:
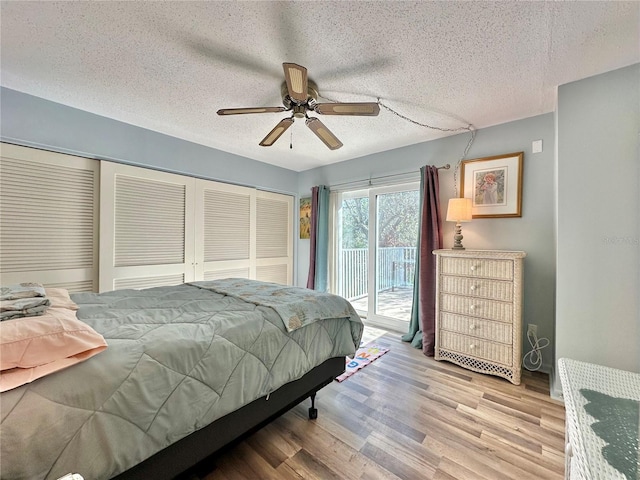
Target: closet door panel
{"points": [[274, 237], [225, 240], [149, 222], [230, 273], [278, 273], [48, 218], [146, 224]]}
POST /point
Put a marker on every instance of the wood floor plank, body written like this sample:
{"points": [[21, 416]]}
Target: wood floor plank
{"points": [[518, 426], [373, 471], [286, 472], [331, 451], [459, 471], [474, 449], [412, 453], [534, 464], [552, 422], [396, 465], [409, 417], [487, 466], [309, 467]]}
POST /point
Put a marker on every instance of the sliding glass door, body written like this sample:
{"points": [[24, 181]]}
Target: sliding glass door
{"points": [[378, 233]]}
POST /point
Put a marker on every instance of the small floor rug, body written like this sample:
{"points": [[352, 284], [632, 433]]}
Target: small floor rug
{"points": [[363, 357]]}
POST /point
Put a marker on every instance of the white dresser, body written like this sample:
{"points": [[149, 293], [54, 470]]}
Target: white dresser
{"points": [[479, 310]]}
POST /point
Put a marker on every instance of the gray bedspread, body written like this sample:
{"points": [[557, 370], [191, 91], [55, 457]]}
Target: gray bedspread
{"points": [[178, 359]]}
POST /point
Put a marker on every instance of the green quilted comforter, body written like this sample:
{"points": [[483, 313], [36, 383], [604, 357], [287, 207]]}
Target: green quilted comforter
{"points": [[178, 358]]}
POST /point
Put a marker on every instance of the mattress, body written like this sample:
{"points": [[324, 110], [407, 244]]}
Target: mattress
{"points": [[178, 358]]}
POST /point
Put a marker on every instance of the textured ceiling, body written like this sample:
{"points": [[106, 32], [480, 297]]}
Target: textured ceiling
{"points": [[169, 66]]}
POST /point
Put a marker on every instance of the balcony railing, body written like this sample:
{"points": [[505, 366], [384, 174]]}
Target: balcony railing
{"points": [[396, 268]]}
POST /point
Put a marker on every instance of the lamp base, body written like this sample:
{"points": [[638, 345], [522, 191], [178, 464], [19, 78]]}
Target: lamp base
{"points": [[457, 238]]}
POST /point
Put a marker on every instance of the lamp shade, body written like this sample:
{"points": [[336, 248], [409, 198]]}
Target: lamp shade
{"points": [[459, 210]]}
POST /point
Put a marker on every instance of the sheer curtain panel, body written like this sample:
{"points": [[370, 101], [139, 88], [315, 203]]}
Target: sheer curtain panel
{"points": [[319, 236]]}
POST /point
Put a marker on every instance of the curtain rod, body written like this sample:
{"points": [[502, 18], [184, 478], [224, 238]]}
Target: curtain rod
{"points": [[444, 167]]}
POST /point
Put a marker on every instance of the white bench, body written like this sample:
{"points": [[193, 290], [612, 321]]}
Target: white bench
{"points": [[584, 447]]}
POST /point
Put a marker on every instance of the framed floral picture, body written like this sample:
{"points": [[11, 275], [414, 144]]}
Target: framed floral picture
{"points": [[494, 184]]}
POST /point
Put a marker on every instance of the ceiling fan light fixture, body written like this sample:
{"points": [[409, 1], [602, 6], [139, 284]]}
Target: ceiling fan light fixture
{"points": [[299, 111]]}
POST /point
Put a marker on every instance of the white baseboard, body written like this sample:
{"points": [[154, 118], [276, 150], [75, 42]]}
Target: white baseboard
{"points": [[555, 388]]}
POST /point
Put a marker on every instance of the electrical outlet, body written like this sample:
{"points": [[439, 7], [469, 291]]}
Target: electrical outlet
{"points": [[532, 329]]}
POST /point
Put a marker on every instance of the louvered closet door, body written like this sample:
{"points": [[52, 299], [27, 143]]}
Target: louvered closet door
{"points": [[225, 244], [274, 237], [146, 224], [48, 218]]}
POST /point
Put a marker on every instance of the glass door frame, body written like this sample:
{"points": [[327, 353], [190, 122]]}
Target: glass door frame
{"points": [[373, 318], [371, 193]]}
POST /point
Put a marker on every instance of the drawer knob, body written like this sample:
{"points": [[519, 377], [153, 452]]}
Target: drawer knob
{"points": [[472, 327], [472, 346], [472, 307], [473, 288], [473, 268]]}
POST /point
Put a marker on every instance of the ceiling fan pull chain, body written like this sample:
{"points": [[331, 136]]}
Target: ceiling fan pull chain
{"points": [[291, 141]]}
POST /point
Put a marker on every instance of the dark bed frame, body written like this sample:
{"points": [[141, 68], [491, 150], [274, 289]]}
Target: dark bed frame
{"points": [[201, 446]]}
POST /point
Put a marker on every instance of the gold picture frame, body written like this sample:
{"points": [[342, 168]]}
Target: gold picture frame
{"points": [[494, 184]]}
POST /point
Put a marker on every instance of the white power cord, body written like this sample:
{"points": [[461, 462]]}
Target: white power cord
{"points": [[534, 357]]}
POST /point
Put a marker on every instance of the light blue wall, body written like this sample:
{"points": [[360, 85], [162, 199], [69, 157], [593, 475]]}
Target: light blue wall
{"points": [[32, 121], [596, 179], [598, 271], [533, 232]]}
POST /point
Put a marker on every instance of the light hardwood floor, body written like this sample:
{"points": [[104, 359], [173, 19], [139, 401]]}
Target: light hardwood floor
{"points": [[406, 416]]}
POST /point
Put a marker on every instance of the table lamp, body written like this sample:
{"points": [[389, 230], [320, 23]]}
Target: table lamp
{"points": [[459, 210]]}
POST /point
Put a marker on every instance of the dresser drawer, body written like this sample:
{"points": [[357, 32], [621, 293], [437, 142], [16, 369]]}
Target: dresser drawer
{"points": [[477, 287], [477, 267], [475, 347], [487, 329], [477, 307]]}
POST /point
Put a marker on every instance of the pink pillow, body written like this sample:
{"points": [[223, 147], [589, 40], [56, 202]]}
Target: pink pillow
{"points": [[32, 347], [59, 297]]}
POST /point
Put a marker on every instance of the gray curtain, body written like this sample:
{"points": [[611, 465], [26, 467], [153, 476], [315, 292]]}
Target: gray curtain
{"points": [[319, 236], [422, 327]]}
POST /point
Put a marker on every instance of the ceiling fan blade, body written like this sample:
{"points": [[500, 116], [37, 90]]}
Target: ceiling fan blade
{"points": [[274, 134], [323, 133], [297, 83], [368, 109], [240, 111]]}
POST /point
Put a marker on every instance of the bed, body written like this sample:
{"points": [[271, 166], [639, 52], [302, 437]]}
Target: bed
{"points": [[188, 369]]}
